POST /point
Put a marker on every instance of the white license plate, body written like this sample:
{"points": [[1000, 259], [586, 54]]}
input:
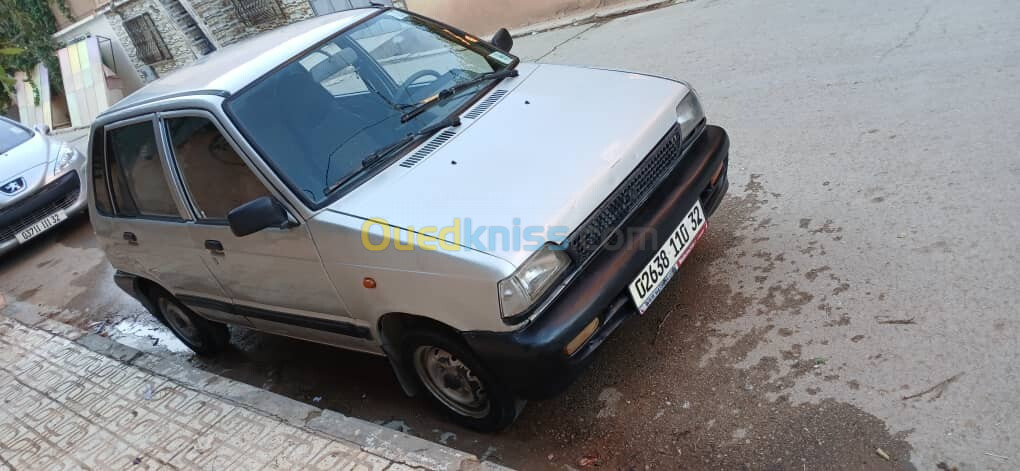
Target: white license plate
{"points": [[650, 282], [41, 226]]}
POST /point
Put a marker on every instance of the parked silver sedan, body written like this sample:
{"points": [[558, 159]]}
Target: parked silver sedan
{"points": [[41, 183], [380, 181]]}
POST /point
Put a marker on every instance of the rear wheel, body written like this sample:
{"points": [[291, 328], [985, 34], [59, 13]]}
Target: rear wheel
{"points": [[201, 335], [459, 383]]}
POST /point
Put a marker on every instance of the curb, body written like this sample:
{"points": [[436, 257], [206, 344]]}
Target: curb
{"points": [[57, 132], [403, 449], [588, 17]]}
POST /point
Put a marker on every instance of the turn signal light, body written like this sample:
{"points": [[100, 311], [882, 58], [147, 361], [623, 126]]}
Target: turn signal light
{"points": [[718, 173], [368, 283], [582, 337]]}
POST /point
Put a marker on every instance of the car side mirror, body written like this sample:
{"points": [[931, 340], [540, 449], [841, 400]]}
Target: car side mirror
{"points": [[503, 40], [43, 129], [260, 213]]}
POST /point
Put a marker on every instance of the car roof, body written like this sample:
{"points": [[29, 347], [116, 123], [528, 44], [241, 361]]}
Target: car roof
{"points": [[232, 67]]}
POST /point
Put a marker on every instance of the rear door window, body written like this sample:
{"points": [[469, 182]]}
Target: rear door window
{"points": [[216, 178], [136, 173], [102, 192]]}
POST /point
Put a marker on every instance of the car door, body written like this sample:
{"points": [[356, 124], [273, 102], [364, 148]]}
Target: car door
{"points": [[148, 228], [274, 277]]}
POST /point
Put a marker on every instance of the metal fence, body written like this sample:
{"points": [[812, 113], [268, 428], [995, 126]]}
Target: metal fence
{"points": [[253, 12], [148, 43]]}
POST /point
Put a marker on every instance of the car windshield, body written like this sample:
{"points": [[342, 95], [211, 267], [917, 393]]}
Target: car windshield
{"points": [[12, 135], [316, 119]]}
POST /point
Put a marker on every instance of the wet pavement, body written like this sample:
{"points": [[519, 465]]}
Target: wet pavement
{"points": [[855, 292]]}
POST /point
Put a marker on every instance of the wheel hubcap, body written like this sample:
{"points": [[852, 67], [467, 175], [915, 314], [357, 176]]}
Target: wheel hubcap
{"points": [[179, 321], [451, 381]]}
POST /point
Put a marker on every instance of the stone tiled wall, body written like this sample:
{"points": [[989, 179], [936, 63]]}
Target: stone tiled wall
{"points": [[180, 49], [226, 26], [220, 20]]}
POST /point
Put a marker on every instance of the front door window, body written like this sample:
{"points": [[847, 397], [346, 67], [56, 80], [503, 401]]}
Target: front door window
{"points": [[216, 178]]}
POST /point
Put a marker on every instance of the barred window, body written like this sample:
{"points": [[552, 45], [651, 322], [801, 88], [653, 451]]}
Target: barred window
{"points": [[253, 12], [146, 38]]}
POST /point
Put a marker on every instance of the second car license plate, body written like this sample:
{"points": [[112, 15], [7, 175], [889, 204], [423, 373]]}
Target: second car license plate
{"points": [[41, 226], [654, 277]]}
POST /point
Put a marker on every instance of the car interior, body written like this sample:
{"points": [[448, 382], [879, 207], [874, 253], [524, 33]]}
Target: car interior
{"points": [[350, 99]]}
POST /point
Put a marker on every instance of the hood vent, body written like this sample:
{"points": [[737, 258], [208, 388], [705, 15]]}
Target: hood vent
{"points": [[485, 104], [428, 148]]}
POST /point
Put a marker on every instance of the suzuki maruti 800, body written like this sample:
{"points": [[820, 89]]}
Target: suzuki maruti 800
{"points": [[382, 182]]}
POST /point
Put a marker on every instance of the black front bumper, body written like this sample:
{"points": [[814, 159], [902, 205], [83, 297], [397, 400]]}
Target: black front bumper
{"points": [[532, 360], [60, 194]]}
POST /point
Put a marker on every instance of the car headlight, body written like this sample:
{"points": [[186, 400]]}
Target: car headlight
{"points": [[689, 114], [531, 280], [66, 156]]}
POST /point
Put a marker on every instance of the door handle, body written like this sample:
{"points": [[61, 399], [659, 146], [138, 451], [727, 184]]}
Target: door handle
{"points": [[131, 238], [214, 246]]}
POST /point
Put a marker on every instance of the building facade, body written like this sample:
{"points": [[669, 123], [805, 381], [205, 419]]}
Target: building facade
{"points": [[160, 36], [113, 48]]}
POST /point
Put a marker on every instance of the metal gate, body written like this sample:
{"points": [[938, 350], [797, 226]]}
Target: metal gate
{"points": [[323, 7]]}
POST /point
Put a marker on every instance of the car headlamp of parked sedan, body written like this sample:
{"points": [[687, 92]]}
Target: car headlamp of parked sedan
{"points": [[403, 188], [66, 158]]}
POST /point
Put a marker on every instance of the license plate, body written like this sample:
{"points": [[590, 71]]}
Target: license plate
{"points": [[654, 277], [40, 227]]}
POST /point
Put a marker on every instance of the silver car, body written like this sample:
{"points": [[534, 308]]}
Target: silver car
{"points": [[382, 182], [41, 183]]}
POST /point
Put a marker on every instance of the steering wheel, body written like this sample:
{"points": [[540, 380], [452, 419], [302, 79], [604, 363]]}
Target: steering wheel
{"points": [[404, 87]]}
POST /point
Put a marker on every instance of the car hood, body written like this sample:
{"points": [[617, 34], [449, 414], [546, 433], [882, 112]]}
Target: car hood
{"points": [[548, 148]]}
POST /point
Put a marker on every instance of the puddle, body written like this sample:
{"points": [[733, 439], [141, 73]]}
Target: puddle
{"points": [[146, 335]]}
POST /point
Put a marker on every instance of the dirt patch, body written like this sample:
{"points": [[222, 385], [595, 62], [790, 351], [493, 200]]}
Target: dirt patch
{"points": [[27, 294]]}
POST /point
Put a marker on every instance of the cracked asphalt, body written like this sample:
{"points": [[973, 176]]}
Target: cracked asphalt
{"points": [[856, 291]]}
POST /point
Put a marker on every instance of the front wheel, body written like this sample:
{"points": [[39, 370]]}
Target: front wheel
{"points": [[459, 383]]}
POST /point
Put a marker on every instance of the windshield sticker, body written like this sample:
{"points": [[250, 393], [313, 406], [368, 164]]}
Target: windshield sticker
{"points": [[501, 58]]}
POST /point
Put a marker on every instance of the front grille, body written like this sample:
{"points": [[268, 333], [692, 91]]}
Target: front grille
{"points": [[46, 203], [602, 223]]}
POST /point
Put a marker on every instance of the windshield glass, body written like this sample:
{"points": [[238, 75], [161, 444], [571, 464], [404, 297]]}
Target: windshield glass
{"points": [[12, 135], [316, 119]]}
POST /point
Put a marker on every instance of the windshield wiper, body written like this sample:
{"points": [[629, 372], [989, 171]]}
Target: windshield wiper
{"points": [[392, 148], [446, 93]]}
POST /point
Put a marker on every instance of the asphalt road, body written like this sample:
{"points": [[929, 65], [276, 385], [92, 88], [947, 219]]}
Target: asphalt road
{"points": [[857, 290]]}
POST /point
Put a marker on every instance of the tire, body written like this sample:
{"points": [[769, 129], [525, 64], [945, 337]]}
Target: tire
{"points": [[201, 335], [459, 383]]}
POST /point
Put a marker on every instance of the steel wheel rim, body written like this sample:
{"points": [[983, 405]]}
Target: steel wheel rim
{"points": [[179, 321], [451, 381]]}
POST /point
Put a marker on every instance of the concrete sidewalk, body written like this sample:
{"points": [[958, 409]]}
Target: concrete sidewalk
{"points": [[73, 400]]}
